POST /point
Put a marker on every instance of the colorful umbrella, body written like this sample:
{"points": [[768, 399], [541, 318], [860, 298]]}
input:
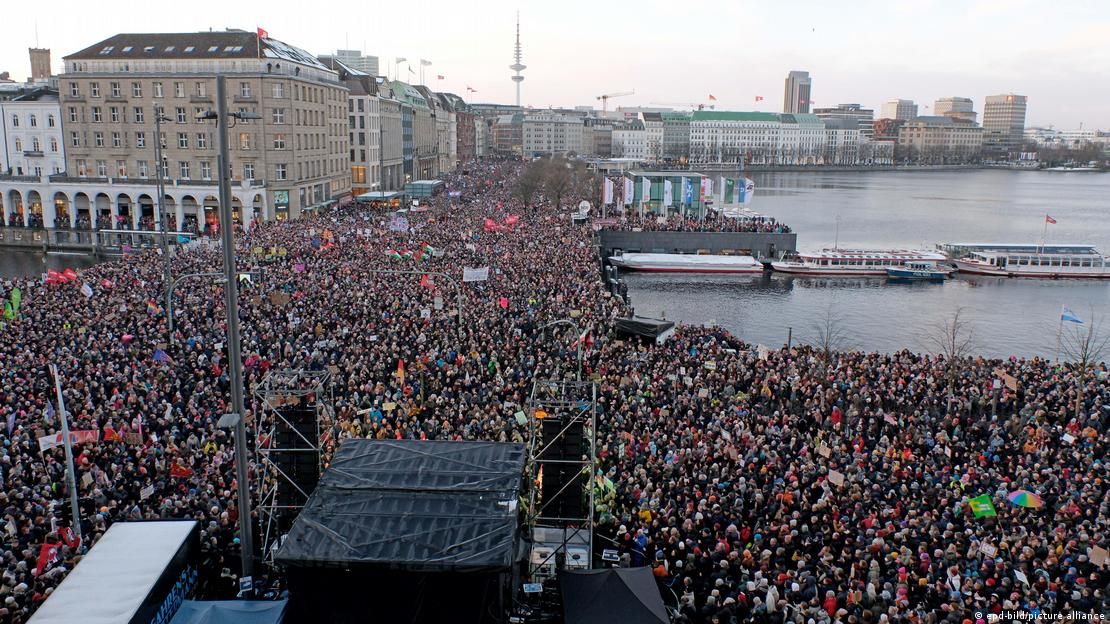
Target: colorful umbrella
{"points": [[1025, 498]]}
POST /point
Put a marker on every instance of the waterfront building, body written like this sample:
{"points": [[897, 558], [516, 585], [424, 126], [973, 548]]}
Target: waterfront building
{"points": [[546, 133], [797, 95], [939, 140], [899, 109], [955, 107], [31, 134], [1003, 124], [294, 158], [842, 141], [864, 117]]}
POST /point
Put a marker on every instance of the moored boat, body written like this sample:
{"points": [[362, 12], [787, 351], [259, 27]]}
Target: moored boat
{"points": [[919, 271], [854, 261], [686, 263], [1022, 260]]}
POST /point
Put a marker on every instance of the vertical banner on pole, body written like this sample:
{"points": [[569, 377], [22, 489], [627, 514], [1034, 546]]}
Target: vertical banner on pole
{"points": [[629, 191], [668, 193]]}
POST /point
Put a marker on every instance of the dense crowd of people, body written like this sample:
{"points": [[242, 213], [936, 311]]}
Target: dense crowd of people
{"points": [[760, 485], [711, 222]]}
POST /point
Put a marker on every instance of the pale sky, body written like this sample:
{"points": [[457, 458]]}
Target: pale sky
{"points": [[1057, 53]]}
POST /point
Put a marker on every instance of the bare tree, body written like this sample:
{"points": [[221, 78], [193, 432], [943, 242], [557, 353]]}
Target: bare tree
{"points": [[557, 179], [529, 182], [1085, 345], [954, 339], [829, 337]]}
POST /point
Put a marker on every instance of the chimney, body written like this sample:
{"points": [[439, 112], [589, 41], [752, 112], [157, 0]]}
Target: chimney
{"points": [[40, 64]]}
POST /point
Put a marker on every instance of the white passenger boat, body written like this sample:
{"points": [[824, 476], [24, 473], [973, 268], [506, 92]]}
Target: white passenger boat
{"points": [[1023, 260], [854, 261], [686, 263]]}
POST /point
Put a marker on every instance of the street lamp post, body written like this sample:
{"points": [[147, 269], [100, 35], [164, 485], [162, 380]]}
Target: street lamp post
{"points": [[231, 297], [158, 119]]}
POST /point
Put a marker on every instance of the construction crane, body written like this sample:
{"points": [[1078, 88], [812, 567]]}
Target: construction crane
{"points": [[690, 104], [605, 98]]}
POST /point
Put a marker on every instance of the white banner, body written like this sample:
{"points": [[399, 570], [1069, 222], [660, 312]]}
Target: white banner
{"points": [[607, 192], [628, 191], [668, 196], [749, 191], [479, 274], [645, 192]]}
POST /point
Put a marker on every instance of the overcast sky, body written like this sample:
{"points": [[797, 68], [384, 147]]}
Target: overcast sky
{"points": [[1057, 53]]}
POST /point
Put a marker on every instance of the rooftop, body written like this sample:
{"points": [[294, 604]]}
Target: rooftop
{"points": [[226, 44], [732, 116]]}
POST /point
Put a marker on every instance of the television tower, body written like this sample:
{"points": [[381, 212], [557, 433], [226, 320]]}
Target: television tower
{"points": [[517, 66]]}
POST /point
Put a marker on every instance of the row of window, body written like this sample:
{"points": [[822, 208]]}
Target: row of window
{"points": [[36, 170], [246, 140], [33, 121], [36, 145], [200, 89], [185, 169]]}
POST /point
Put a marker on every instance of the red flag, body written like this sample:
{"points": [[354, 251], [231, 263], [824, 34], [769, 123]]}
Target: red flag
{"points": [[759, 98], [401, 371], [262, 34], [69, 538], [69, 275], [469, 90], [504, 303], [438, 77], [427, 282], [110, 434], [48, 554], [1049, 219], [177, 470], [712, 98]]}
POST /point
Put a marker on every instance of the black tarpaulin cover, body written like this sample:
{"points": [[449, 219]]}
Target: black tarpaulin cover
{"points": [[414, 505], [612, 596], [643, 326]]}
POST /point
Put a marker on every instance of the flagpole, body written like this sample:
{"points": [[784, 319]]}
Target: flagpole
{"points": [[1059, 332], [71, 478], [1044, 235]]}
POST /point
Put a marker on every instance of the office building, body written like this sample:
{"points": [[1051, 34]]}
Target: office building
{"points": [[1003, 125], [547, 133], [864, 117], [355, 59], [938, 140], [899, 109], [797, 97], [955, 107]]}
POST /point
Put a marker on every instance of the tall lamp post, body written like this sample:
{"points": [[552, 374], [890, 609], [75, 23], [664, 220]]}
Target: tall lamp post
{"points": [[159, 117], [231, 296]]}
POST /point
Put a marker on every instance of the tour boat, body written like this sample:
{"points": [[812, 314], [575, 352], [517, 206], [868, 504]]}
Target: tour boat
{"points": [[1022, 260], [919, 271], [686, 263], [853, 261]]}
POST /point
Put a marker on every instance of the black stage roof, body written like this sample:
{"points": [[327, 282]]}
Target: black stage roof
{"points": [[421, 506]]}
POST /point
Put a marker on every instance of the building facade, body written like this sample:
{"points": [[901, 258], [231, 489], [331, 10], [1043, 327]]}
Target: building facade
{"points": [[1003, 124], [955, 107], [355, 59], [899, 109], [630, 140], [798, 93], [31, 134], [295, 157], [676, 136], [653, 135], [548, 133], [864, 117], [842, 141], [937, 140]]}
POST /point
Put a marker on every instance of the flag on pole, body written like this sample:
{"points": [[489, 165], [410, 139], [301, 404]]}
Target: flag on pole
{"points": [[668, 193], [628, 191], [49, 414], [16, 298], [470, 90], [1069, 316], [982, 506], [401, 371], [759, 98], [48, 555], [161, 356], [262, 34], [153, 308], [1048, 219], [439, 77], [712, 98], [749, 191], [87, 291], [645, 192]]}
